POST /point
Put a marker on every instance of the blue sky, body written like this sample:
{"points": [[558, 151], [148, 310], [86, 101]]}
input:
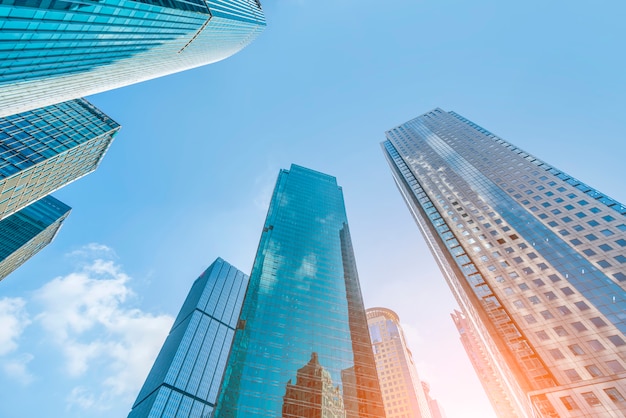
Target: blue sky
{"points": [[189, 177]]}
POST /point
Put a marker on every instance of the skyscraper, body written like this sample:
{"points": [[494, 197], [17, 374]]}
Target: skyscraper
{"points": [[403, 394], [44, 149], [493, 387], [57, 50], [534, 257], [26, 232], [303, 347], [186, 376]]}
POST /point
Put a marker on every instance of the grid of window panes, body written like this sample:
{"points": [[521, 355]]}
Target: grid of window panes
{"points": [[303, 312], [25, 233], [545, 246], [43, 149], [185, 379], [403, 393], [55, 51], [488, 377], [450, 256]]}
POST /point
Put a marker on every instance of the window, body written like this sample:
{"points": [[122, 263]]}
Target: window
{"points": [[534, 300], [550, 295], [598, 322], [576, 349], [560, 331], [530, 319], [580, 215], [576, 241], [589, 252], [572, 375], [591, 237], [593, 223], [538, 282], [604, 247], [542, 335], [621, 242], [607, 232], [621, 277], [621, 259], [616, 340], [569, 403], [604, 264], [556, 354], [546, 314], [579, 326], [517, 259], [596, 345], [615, 366], [518, 304], [554, 278], [593, 370], [563, 310], [567, 291], [581, 305], [608, 218], [591, 399], [614, 394], [524, 286]]}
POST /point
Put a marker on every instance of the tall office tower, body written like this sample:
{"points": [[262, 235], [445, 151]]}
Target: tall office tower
{"points": [[534, 257], [435, 410], [25, 233], [58, 50], [403, 394], [44, 149], [303, 348], [489, 379], [186, 376]]}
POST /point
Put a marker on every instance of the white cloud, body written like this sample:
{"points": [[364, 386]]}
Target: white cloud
{"points": [[14, 319], [16, 368], [92, 249], [87, 315]]}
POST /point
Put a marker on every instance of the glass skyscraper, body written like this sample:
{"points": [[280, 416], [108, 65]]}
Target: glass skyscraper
{"points": [[44, 149], [26, 232], [535, 258], [403, 393], [303, 347], [57, 50], [489, 379], [185, 379]]}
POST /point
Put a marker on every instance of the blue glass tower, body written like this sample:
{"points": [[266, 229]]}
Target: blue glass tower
{"points": [[42, 150], [25, 233], [57, 50], [535, 258], [303, 346], [186, 376]]}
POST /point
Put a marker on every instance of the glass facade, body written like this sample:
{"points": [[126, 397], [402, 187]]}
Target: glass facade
{"points": [[488, 378], [58, 50], [303, 347], [44, 149], [533, 256], [403, 393], [25, 233], [185, 379]]}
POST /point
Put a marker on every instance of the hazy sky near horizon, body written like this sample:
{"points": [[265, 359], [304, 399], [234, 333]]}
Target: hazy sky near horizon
{"points": [[190, 175]]}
